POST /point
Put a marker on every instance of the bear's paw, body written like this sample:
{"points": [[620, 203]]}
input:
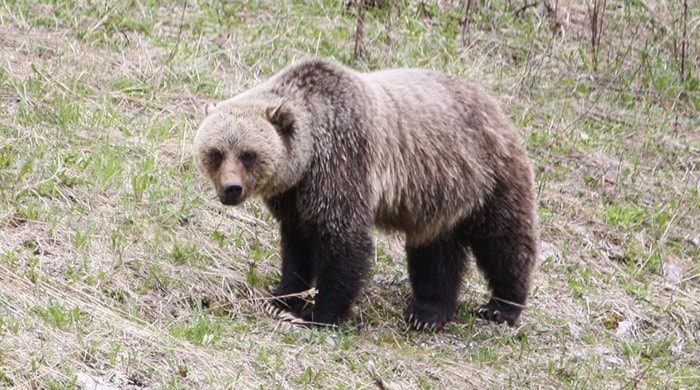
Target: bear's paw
{"points": [[424, 315], [499, 312]]}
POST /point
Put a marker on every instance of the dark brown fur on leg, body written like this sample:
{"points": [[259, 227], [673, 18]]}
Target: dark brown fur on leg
{"points": [[296, 253], [342, 263], [297, 270], [435, 270], [505, 246]]}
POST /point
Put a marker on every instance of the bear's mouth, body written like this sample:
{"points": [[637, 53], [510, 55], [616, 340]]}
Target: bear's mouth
{"points": [[231, 202]]}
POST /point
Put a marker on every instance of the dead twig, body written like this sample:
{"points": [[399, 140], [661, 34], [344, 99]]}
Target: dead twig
{"points": [[378, 380], [179, 33], [358, 29], [684, 39], [466, 24], [596, 12]]}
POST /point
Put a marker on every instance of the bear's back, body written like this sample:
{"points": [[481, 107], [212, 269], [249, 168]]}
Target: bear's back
{"points": [[438, 142]]}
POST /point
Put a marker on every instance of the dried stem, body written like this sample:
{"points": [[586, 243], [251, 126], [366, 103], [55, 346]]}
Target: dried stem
{"points": [[359, 28], [466, 32], [684, 40], [596, 12]]}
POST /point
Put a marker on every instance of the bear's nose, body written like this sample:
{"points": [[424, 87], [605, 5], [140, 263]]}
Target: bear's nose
{"points": [[233, 188], [231, 193]]}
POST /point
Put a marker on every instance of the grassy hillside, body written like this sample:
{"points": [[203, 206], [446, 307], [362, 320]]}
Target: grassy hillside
{"points": [[119, 268]]}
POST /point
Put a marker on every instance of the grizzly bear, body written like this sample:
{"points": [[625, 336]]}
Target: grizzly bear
{"points": [[334, 152]]}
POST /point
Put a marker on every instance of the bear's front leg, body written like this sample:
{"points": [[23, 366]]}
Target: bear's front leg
{"points": [[296, 242], [297, 269], [342, 262]]}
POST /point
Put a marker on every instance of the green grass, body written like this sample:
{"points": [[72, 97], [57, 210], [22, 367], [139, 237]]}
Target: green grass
{"points": [[118, 264]]}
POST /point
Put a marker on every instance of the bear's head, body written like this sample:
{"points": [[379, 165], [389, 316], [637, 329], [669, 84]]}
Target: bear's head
{"points": [[247, 149]]}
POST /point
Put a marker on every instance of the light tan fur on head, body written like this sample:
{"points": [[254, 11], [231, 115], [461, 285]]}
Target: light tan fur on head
{"points": [[238, 147], [235, 131]]}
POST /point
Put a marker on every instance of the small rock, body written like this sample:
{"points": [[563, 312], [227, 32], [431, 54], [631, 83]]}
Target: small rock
{"points": [[548, 251], [624, 329], [614, 361], [671, 272], [90, 383]]}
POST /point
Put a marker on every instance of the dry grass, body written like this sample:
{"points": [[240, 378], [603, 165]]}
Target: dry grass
{"points": [[118, 269]]}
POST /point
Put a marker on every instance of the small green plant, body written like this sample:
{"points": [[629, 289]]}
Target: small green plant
{"points": [[58, 316]]}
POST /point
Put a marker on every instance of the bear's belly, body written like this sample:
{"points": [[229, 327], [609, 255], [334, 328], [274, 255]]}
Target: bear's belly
{"points": [[419, 226]]}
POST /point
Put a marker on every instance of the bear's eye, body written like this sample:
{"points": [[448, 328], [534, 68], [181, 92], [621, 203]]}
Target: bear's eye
{"points": [[248, 158], [215, 157]]}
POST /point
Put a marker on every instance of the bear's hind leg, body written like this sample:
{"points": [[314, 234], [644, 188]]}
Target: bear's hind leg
{"points": [[435, 271], [505, 248], [507, 266]]}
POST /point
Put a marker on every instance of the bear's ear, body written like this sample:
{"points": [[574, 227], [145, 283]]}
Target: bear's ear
{"points": [[208, 108], [282, 118]]}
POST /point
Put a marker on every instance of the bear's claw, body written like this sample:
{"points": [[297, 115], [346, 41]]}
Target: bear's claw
{"points": [[427, 326], [499, 312], [489, 314], [425, 316], [281, 314]]}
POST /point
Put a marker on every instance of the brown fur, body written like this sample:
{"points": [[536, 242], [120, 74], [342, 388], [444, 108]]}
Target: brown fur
{"points": [[337, 151]]}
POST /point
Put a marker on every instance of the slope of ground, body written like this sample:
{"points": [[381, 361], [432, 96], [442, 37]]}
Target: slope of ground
{"points": [[119, 269]]}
